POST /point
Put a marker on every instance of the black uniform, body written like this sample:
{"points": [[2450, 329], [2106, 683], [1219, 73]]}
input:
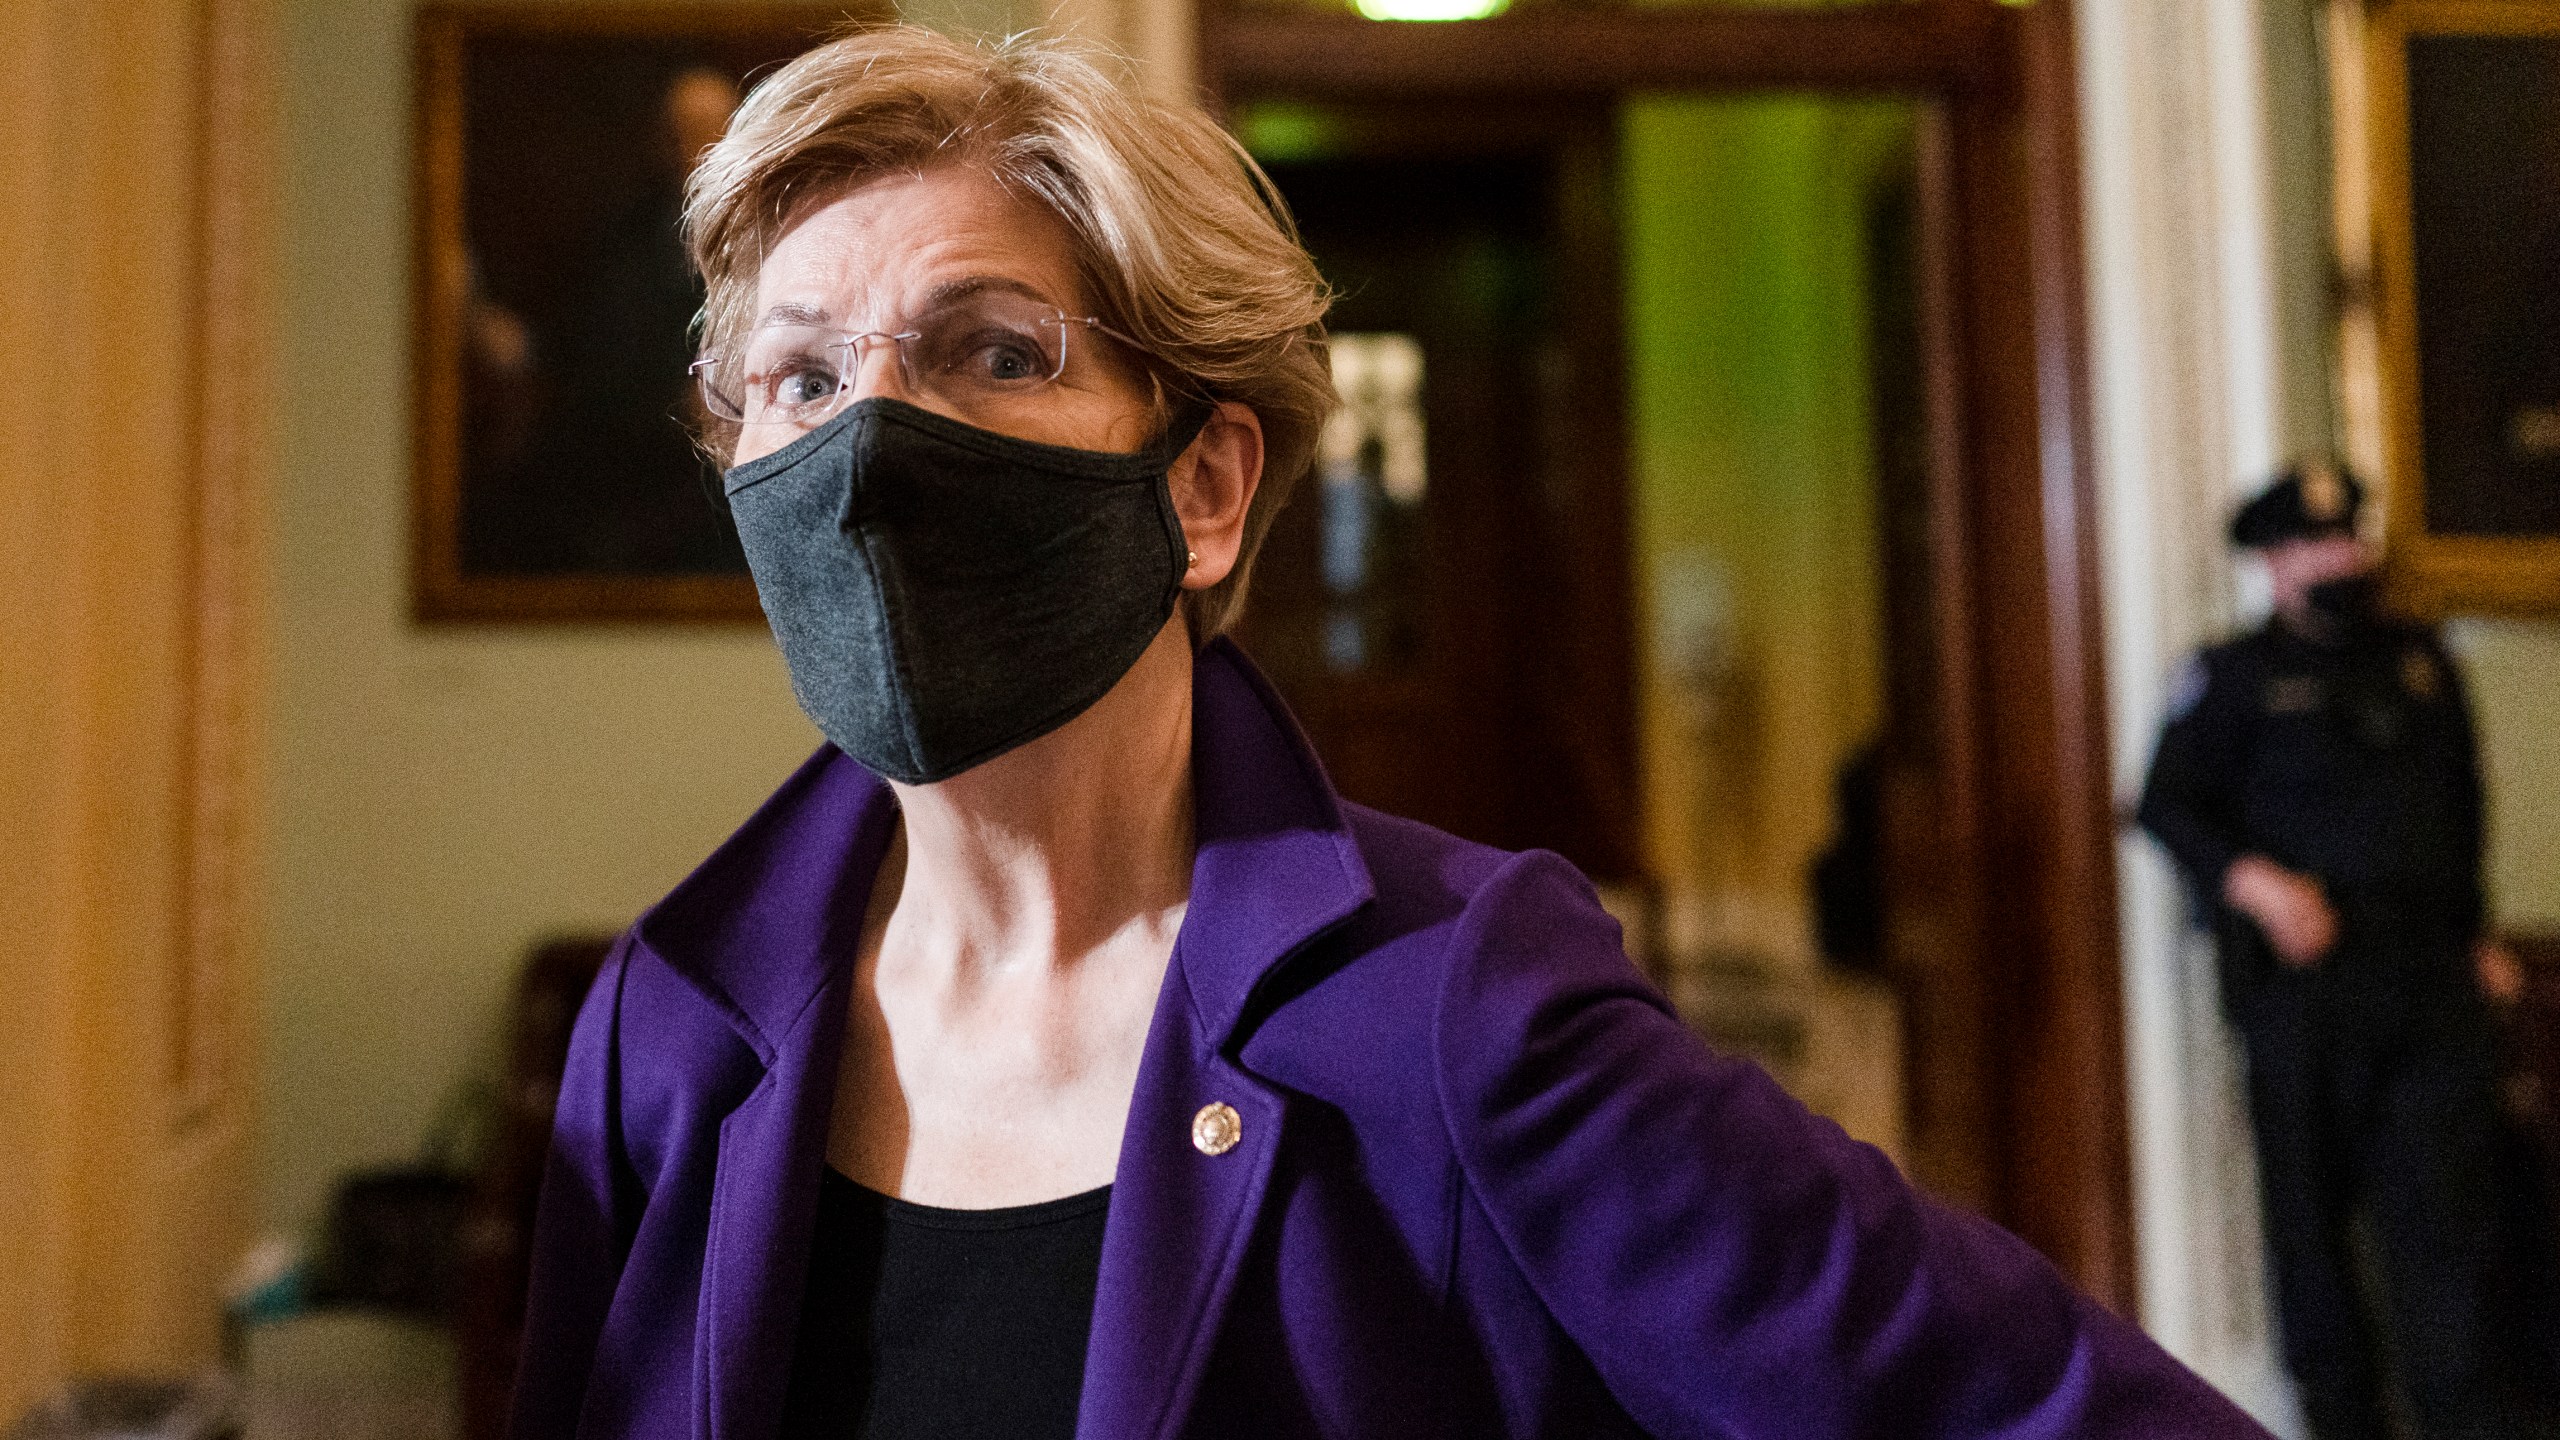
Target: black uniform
{"points": [[2370, 1074]]}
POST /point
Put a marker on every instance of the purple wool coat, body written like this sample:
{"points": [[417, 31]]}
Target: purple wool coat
{"points": [[1487, 1185]]}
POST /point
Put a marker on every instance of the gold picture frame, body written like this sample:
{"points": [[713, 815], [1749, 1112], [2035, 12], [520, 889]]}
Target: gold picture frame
{"points": [[552, 476], [2468, 438]]}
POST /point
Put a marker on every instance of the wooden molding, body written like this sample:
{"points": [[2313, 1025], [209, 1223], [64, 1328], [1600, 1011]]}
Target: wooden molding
{"points": [[1605, 51], [224, 651]]}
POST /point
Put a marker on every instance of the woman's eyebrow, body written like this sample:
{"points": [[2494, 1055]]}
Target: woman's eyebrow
{"points": [[791, 313], [968, 285]]}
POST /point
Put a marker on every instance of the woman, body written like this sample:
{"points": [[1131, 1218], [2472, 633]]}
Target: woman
{"points": [[1055, 1053]]}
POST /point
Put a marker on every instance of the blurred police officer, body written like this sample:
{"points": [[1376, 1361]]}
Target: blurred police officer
{"points": [[2316, 783]]}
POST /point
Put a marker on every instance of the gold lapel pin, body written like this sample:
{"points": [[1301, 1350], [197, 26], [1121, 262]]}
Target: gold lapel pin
{"points": [[1216, 1129]]}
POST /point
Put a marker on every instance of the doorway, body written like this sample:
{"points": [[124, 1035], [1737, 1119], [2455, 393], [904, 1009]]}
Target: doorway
{"points": [[1445, 606], [1693, 629]]}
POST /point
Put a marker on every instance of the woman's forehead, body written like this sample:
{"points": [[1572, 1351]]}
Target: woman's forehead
{"points": [[903, 242]]}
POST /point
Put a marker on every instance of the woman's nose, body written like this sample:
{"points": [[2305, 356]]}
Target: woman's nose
{"points": [[879, 368]]}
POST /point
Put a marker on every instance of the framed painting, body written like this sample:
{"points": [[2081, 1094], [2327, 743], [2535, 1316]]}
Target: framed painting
{"points": [[554, 475], [2464, 150]]}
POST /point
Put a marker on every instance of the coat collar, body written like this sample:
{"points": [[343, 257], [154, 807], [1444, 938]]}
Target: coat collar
{"points": [[762, 925], [766, 930]]}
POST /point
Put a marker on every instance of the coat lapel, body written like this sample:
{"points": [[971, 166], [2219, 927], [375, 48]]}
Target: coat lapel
{"points": [[1275, 869], [764, 1205], [1180, 1222], [767, 930]]}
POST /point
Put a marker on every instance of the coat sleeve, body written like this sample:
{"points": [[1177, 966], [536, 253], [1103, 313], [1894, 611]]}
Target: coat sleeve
{"points": [[2190, 800], [582, 1229], [2470, 806], [1732, 1265]]}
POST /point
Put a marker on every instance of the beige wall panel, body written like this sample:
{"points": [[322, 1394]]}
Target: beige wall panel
{"points": [[32, 792], [125, 1162], [2513, 667]]}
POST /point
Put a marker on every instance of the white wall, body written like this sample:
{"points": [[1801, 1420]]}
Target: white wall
{"points": [[440, 798], [2190, 395]]}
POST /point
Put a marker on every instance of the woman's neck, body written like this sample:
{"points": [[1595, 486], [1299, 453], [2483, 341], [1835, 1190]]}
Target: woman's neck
{"points": [[1049, 851]]}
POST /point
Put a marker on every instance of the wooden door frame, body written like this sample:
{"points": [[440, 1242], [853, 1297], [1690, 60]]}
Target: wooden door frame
{"points": [[2028, 1042]]}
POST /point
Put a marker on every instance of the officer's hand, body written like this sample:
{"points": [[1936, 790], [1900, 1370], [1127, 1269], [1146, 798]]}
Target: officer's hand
{"points": [[2288, 905], [2501, 973]]}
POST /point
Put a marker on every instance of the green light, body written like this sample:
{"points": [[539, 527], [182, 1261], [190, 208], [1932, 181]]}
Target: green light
{"points": [[1431, 9], [1281, 130]]}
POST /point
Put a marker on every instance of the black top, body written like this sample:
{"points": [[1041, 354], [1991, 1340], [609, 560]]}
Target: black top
{"points": [[922, 1323], [2351, 761]]}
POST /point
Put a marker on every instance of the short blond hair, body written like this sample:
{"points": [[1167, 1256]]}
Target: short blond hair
{"points": [[1181, 238]]}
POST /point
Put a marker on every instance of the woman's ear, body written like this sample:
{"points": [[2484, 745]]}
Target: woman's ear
{"points": [[1213, 484]]}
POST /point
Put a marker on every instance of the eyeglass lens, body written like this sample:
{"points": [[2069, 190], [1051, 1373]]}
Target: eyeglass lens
{"points": [[973, 357]]}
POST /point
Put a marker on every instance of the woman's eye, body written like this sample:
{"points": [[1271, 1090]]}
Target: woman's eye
{"points": [[992, 354], [1007, 360], [805, 384]]}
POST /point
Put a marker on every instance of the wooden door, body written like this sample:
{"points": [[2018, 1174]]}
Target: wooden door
{"points": [[1450, 624]]}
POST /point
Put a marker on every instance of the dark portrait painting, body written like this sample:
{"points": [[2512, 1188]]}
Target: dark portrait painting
{"points": [[2484, 153], [558, 478], [2465, 131]]}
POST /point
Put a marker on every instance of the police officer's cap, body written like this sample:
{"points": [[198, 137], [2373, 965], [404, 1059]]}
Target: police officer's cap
{"points": [[2307, 502]]}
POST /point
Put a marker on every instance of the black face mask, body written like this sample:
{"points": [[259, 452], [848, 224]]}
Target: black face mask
{"points": [[2349, 603], [942, 593]]}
